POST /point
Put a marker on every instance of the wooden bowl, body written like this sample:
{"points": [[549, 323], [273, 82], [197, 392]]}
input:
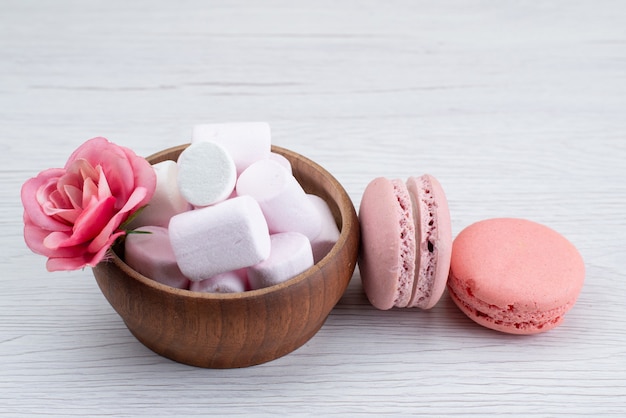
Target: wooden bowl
{"points": [[241, 329]]}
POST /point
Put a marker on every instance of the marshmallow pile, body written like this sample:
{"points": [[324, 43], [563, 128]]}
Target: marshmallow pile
{"points": [[229, 216]]}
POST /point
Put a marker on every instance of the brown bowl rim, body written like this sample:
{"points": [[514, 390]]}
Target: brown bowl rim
{"points": [[348, 216]]}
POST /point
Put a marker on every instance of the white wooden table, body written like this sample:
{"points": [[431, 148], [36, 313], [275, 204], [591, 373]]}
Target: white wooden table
{"points": [[518, 108]]}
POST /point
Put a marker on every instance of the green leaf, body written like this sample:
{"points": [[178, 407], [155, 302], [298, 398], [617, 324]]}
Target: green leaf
{"points": [[135, 231], [131, 218]]}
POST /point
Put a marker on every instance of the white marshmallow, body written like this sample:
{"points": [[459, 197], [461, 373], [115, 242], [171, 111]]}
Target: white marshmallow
{"points": [[166, 201], [290, 255], [216, 239], [329, 233], [206, 173], [246, 142], [151, 255], [284, 202], [228, 282]]}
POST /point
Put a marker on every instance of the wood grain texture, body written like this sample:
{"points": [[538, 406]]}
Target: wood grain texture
{"points": [[517, 108]]}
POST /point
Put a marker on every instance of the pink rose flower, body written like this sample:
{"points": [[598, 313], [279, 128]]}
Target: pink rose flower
{"points": [[72, 215]]}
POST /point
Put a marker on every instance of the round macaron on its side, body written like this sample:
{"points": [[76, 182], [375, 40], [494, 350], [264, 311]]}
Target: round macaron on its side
{"points": [[514, 275], [405, 242]]}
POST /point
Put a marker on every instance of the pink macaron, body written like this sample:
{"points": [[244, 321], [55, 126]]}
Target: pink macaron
{"points": [[514, 275], [406, 242]]}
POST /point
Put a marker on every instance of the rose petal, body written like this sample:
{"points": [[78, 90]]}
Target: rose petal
{"points": [[45, 189], [90, 192], [145, 175], [83, 260], [35, 212], [67, 215], [65, 263], [57, 200], [113, 159], [104, 190], [99, 255], [55, 240], [91, 221], [135, 199], [34, 238], [74, 195], [86, 170], [76, 174]]}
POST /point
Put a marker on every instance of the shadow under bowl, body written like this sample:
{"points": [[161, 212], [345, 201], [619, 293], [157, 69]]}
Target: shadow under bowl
{"points": [[238, 329]]}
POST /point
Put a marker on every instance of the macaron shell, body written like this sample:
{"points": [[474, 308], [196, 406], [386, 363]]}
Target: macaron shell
{"points": [[514, 275], [434, 240], [380, 257]]}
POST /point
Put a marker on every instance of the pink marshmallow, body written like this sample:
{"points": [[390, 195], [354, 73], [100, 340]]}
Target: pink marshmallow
{"points": [[151, 255], [206, 173], [290, 255], [329, 233], [246, 142], [216, 239], [282, 160], [228, 282], [284, 202], [166, 201]]}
